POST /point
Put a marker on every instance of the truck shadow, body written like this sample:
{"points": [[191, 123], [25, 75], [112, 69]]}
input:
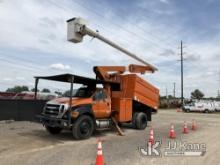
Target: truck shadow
{"points": [[41, 134], [66, 135]]}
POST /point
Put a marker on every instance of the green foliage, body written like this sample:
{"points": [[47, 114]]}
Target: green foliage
{"points": [[45, 90], [33, 90], [18, 89], [197, 94], [66, 93], [58, 93]]}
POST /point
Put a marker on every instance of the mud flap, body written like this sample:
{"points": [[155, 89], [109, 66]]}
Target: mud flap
{"points": [[115, 123]]}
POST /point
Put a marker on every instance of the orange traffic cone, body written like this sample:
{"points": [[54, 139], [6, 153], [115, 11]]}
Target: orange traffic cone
{"points": [[172, 133], [99, 157], [194, 126], [151, 136], [185, 128]]}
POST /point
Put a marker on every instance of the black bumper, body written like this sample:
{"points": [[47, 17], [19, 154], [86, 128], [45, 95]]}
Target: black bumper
{"points": [[53, 121]]}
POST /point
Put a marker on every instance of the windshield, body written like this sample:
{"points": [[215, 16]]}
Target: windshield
{"points": [[82, 92]]}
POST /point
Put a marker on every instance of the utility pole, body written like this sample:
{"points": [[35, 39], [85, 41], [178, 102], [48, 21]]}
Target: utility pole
{"points": [[166, 93], [174, 90], [218, 86], [167, 98], [181, 53]]}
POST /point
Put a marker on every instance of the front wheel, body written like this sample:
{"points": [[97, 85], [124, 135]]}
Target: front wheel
{"points": [[141, 121], [53, 130], [83, 127], [206, 111], [187, 110]]}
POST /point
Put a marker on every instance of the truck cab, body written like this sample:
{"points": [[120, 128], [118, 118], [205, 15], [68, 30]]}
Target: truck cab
{"points": [[91, 103]]}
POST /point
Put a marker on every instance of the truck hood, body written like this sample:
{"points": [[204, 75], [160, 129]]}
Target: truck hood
{"points": [[75, 101]]}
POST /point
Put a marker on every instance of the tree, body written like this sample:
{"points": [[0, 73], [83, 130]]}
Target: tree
{"points": [[66, 93], [170, 97], [18, 89], [197, 94], [58, 93], [45, 90], [33, 90]]}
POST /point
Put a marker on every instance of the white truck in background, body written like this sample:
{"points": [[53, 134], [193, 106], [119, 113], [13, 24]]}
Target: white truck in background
{"points": [[217, 106], [201, 106]]}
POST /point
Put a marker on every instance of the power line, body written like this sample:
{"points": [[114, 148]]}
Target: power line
{"points": [[120, 26], [144, 30]]}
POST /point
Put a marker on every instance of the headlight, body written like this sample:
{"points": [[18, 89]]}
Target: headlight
{"points": [[63, 108]]}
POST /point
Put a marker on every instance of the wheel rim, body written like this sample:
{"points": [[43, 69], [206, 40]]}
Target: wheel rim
{"points": [[85, 128]]}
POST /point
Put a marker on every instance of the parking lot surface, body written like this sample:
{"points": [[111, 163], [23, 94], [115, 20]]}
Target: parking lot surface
{"points": [[24, 143]]}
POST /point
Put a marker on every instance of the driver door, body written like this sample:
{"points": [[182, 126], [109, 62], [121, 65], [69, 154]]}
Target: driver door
{"points": [[101, 104]]}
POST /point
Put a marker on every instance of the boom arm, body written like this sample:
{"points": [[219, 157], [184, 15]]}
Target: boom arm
{"points": [[102, 72], [85, 30], [110, 73], [77, 29]]}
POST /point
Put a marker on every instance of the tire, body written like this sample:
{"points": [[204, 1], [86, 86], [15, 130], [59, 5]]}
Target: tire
{"points": [[134, 116], [206, 111], [83, 127], [53, 130], [187, 110], [120, 124], [141, 121]]}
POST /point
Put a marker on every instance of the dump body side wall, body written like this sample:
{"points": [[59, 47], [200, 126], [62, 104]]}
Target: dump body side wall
{"points": [[123, 107], [140, 90]]}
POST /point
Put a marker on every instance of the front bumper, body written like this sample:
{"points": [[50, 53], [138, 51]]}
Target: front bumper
{"points": [[53, 121]]}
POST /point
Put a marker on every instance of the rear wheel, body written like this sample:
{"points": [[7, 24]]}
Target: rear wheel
{"points": [[141, 121], [187, 110], [83, 127], [53, 130], [134, 120], [206, 111]]}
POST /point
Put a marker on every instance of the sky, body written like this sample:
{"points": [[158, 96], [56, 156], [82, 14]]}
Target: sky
{"points": [[33, 41]]}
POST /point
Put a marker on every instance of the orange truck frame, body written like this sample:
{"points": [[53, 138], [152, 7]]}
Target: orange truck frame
{"points": [[123, 98]]}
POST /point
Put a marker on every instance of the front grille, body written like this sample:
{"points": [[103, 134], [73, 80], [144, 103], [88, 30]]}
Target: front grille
{"points": [[52, 109]]}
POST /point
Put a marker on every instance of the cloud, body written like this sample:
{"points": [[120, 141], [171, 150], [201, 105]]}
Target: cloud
{"points": [[165, 1], [193, 57], [47, 22], [167, 52], [60, 66], [38, 46], [20, 78], [7, 79]]}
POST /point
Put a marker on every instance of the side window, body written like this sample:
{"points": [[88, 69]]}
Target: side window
{"points": [[104, 95], [100, 95]]}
